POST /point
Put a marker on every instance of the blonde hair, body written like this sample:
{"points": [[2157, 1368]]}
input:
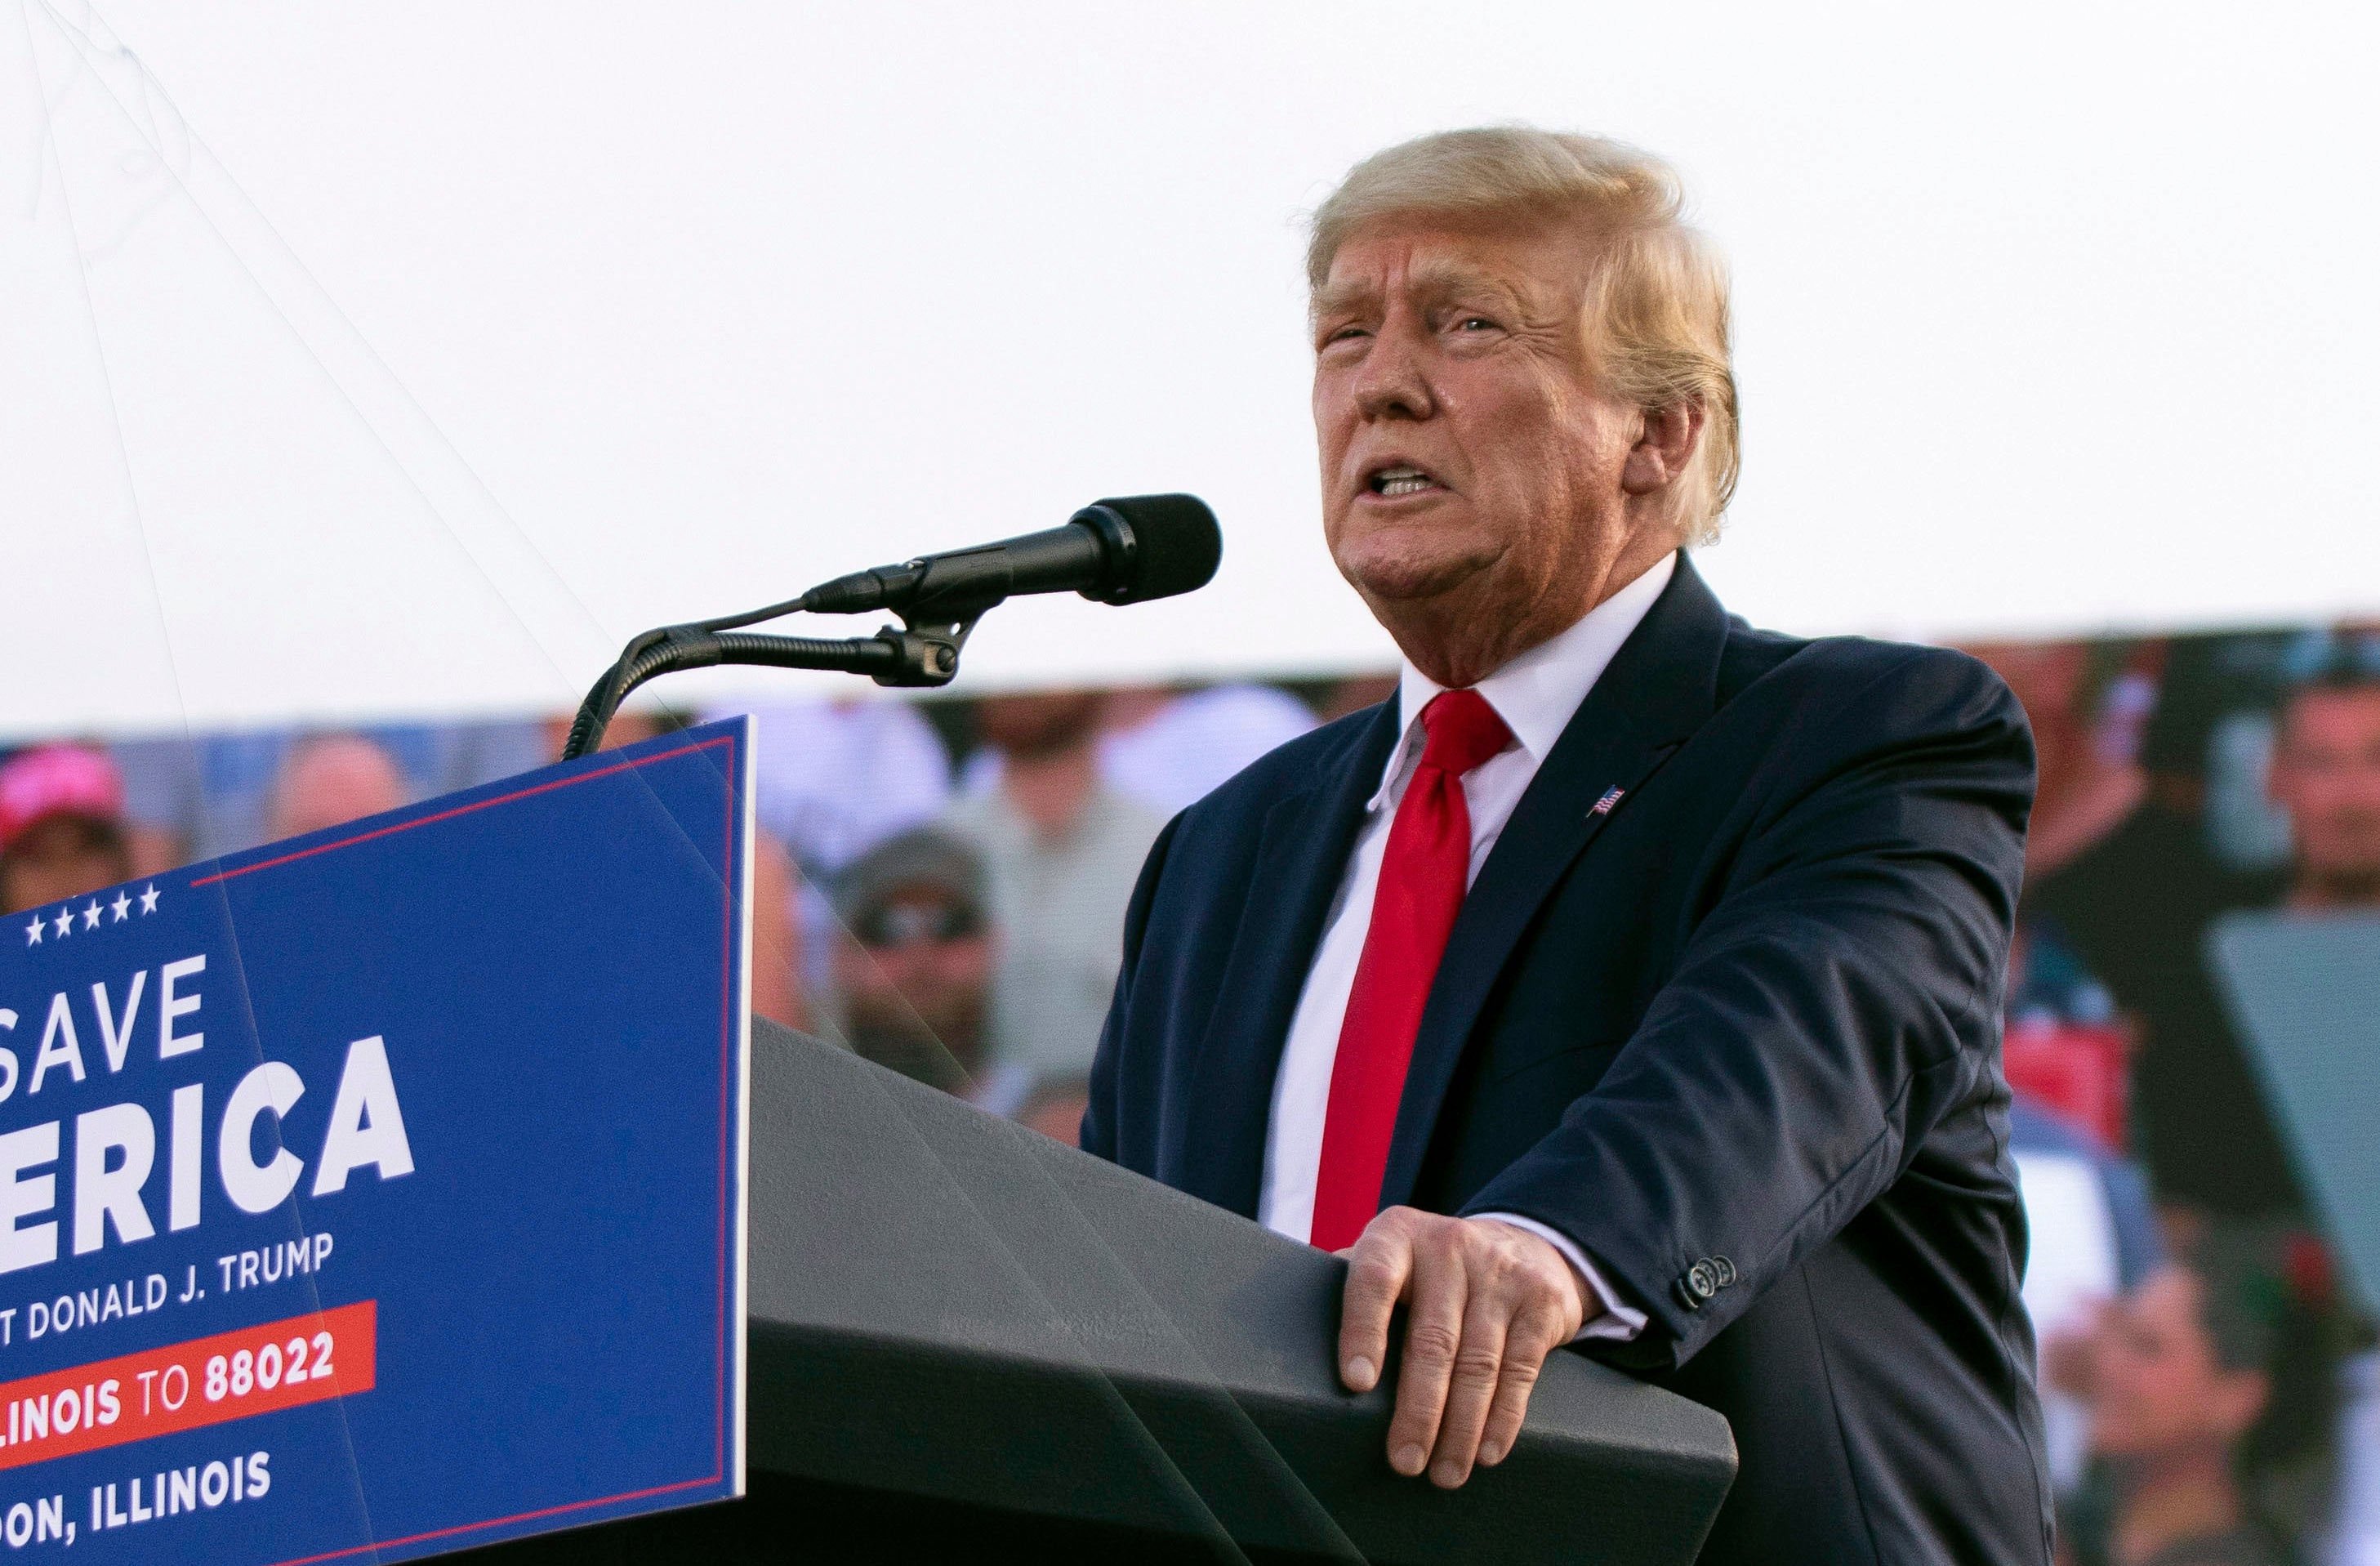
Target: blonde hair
{"points": [[1655, 312]]}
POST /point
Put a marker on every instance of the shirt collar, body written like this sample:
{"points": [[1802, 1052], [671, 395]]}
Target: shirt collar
{"points": [[1539, 693]]}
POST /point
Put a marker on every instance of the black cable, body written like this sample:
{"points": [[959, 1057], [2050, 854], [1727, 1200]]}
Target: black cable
{"points": [[775, 611]]}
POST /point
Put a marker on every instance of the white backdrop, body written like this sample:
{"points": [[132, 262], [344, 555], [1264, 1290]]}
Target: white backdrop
{"points": [[361, 360]]}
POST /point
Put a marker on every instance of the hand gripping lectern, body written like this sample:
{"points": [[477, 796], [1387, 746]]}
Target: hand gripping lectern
{"points": [[971, 1344]]}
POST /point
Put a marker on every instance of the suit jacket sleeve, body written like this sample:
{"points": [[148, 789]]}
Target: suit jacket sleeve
{"points": [[1838, 998], [1100, 1118]]}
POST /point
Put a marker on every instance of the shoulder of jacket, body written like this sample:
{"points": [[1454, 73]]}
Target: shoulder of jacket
{"points": [[1827, 671]]}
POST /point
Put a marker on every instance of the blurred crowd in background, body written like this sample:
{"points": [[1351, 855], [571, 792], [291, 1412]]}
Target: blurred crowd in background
{"points": [[941, 884], [2207, 1365]]}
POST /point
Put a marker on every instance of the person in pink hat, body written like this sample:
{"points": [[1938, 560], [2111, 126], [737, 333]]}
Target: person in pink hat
{"points": [[61, 826]]}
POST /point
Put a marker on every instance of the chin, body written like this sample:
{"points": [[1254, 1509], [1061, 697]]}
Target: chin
{"points": [[1412, 581], [1397, 570]]}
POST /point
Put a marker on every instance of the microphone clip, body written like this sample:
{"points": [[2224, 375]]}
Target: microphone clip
{"points": [[928, 655]]}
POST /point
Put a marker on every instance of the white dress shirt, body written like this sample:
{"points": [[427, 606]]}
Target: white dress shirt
{"points": [[1536, 695]]}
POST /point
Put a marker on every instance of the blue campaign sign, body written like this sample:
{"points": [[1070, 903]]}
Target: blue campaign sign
{"points": [[380, 1193]]}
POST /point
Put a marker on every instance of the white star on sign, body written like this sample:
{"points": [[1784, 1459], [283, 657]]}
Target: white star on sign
{"points": [[148, 899], [91, 916], [33, 931], [121, 907], [63, 923]]}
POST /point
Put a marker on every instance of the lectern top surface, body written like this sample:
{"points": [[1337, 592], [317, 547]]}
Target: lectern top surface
{"points": [[924, 1273]]}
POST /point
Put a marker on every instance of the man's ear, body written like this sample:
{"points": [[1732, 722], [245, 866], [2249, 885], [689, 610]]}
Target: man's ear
{"points": [[1663, 448]]}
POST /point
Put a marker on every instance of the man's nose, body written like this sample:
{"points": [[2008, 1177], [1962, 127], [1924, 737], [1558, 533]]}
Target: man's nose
{"points": [[1393, 384]]}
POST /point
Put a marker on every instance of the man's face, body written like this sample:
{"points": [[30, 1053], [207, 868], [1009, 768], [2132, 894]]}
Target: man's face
{"points": [[2160, 1389], [2326, 775], [1465, 448], [62, 858], [1046, 723], [919, 956]]}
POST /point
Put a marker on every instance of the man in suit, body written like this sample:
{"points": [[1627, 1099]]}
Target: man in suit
{"points": [[1632, 979]]}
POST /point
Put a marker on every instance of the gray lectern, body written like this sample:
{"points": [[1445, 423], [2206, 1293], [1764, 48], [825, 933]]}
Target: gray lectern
{"points": [[970, 1343]]}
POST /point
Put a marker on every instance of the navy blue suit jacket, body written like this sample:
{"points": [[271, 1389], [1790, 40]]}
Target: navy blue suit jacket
{"points": [[1738, 1035]]}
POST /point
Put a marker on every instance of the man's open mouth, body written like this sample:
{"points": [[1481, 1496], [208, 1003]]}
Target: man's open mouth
{"points": [[1402, 480]]}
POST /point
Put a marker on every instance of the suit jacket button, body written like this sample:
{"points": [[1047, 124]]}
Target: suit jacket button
{"points": [[1702, 1280], [1722, 1270]]}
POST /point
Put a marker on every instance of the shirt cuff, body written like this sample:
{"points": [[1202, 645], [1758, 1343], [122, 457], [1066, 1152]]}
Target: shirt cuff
{"points": [[1615, 1322]]}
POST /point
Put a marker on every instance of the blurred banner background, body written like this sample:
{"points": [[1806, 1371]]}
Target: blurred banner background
{"points": [[368, 374]]}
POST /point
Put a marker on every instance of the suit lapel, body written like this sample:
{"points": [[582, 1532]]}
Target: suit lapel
{"points": [[1301, 860], [1657, 691]]}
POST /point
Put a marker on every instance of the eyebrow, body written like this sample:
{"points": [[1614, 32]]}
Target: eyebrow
{"points": [[1437, 277]]}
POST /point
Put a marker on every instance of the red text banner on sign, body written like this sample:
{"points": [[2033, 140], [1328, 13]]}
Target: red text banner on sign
{"points": [[183, 1386]]}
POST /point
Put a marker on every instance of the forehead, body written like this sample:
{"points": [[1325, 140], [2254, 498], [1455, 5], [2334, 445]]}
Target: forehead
{"points": [[64, 832], [2350, 716], [915, 894], [1531, 259]]}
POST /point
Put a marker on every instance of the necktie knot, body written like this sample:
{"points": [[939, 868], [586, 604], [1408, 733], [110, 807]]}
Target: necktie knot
{"points": [[1463, 731]]}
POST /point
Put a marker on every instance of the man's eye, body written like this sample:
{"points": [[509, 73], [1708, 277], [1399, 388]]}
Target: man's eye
{"points": [[1474, 323]]}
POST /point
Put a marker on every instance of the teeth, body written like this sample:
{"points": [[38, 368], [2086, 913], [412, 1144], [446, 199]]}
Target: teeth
{"points": [[1403, 486]]}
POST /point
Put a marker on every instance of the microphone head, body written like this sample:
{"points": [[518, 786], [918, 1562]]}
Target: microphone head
{"points": [[1172, 545]]}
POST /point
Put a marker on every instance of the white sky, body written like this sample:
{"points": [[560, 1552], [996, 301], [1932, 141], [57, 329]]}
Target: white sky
{"points": [[359, 361]]}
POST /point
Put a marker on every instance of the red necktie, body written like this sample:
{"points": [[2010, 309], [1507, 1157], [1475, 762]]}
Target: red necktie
{"points": [[1423, 876]]}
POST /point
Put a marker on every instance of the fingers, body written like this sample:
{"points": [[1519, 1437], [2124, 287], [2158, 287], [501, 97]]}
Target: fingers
{"points": [[1377, 1267], [1434, 1339], [1485, 1304], [1533, 1336], [1479, 1365]]}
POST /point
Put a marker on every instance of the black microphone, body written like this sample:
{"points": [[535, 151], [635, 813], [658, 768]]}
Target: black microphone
{"points": [[1126, 550]]}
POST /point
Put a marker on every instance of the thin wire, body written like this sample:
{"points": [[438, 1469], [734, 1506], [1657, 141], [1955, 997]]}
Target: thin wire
{"points": [[290, 253], [165, 633], [107, 378]]}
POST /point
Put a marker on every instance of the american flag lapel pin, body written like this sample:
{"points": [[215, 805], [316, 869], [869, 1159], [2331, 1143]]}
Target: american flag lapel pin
{"points": [[1611, 797]]}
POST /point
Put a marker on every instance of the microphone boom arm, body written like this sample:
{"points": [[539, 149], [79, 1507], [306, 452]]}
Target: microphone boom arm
{"points": [[924, 654]]}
